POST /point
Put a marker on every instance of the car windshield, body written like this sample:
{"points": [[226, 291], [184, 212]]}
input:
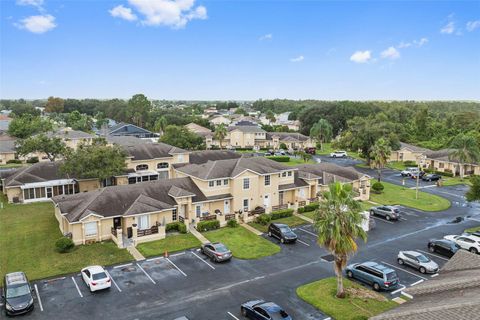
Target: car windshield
{"points": [[285, 229], [455, 247], [98, 276], [278, 315], [422, 258], [391, 276], [18, 291], [396, 210], [221, 248]]}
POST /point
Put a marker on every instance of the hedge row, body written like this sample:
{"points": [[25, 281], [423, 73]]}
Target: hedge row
{"points": [[308, 208], [445, 174], [279, 158], [176, 226], [15, 161], [281, 214], [203, 226]]}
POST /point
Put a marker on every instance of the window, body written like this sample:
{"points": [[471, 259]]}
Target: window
{"points": [[284, 174], [441, 165], [141, 167], [132, 180], [154, 177], [180, 158], [225, 182], [289, 173], [90, 229], [143, 222], [174, 215], [211, 184], [198, 210], [219, 183], [246, 183], [245, 205], [162, 165], [267, 180]]}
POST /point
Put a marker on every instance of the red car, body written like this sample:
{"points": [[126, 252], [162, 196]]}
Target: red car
{"points": [[311, 150]]}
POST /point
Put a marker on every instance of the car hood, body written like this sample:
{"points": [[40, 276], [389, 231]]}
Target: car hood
{"points": [[251, 303], [290, 234], [450, 237], [429, 265], [19, 303]]}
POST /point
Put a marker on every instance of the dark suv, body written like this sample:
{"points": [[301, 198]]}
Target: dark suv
{"points": [[374, 274], [282, 232], [17, 294], [444, 247]]}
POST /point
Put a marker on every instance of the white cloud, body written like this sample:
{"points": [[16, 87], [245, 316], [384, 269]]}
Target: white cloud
{"points": [[171, 13], [404, 45], [472, 25], [123, 13], [449, 28], [37, 24], [361, 56], [35, 3], [297, 59], [420, 42], [267, 36], [390, 53]]}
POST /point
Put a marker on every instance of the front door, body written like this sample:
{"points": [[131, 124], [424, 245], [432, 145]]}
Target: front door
{"points": [[117, 223], [266, 201], [226, 207], [280, 197]]}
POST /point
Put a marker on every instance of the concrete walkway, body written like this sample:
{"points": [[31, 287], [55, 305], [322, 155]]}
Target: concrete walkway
{"points": [[301, 216], [135, 253], [198, 235], [252, 229]]}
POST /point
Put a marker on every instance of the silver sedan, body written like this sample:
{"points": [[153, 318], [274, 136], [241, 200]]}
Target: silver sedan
{"points": [[418, 261]]}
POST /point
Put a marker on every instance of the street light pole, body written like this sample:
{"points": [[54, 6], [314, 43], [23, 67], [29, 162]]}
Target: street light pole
{"points": [[418, 177]]}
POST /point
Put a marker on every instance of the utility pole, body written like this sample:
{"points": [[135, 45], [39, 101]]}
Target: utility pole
{"points": [[418, 177]]}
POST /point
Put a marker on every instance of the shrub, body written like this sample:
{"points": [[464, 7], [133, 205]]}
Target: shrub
{"points": [[281, 214], [308, 208], [283, 146], [279, 158], [410, 163], [377, 187], [176, 226], [15, 161], [32, 160], [232, 223], [208, 225], [64, 244], [263, 219]]}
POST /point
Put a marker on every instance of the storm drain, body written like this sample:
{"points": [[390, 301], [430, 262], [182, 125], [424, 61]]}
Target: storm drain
{"points": [[328, 258]]}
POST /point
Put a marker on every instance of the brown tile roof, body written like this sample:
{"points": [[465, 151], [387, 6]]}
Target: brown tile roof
{"points": [[287, 136], [328, 172], [199, 157], [152, 151], [38, 172], [413, 148]]}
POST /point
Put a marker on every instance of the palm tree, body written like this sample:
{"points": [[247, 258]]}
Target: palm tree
{"points": [[379, 155], [465, 150], [322, 132], [220, 133], [338, 224], [160, 124]]}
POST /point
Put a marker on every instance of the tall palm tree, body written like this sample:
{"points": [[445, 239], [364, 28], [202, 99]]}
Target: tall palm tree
{"points": [[379, 155], [220, 133], [322, 132], [160, 124], [465, 150], [338, 224]]}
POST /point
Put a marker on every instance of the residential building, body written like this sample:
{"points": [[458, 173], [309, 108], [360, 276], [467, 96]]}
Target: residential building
{"points": [[72, 138], [218, 120], [4, 122], [196, 128], [408, 152], [7, 148], [126, 129]]}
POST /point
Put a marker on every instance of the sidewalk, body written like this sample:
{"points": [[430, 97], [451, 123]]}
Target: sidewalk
{"points": [[198, 235], [301, 216], [252, 229], [135, 253]]}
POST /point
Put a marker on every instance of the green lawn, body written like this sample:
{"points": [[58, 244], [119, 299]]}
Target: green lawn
{"points": [[393, 194], [244, 244], [296, 161], [362, 165], [292, 221], [360, 303], [27, 240], [12, 165], [397, 165], [453, 181], [366, 205], [327, 149], [171, 243], [474, 229], [310, 214]]}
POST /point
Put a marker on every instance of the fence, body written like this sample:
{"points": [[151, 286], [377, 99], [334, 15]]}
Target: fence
{"points": [[147, 232]]}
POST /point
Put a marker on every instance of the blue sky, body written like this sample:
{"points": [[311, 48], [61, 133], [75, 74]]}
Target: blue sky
{"points": [[245, 50]]}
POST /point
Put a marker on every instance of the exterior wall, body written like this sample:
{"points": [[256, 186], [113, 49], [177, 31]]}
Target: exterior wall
{"points": [[74, 143], [404, 155], [152, 163], [13, 192], [120, 181], [4, 157], [88, 185]]}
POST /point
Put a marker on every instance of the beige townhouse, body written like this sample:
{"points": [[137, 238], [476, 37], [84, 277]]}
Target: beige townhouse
{"points": [[408, 152], [442, 161]]}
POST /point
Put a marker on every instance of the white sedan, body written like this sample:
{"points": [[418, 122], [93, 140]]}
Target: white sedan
{"points": [[96, 278], [470, 243]]}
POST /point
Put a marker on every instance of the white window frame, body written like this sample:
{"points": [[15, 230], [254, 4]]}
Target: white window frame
{"points": [[268, 181], [198, 210], [88, 232], [211, 184], [246, 183], [225, 182], [247, 207], [218, 183], [147, 222]]}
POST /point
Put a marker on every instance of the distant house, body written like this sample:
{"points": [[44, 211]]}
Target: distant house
{"points": [[72, 138], [196, 128], [408, 152], [7, 148], [4, 122], [220, 120], [126, 129]]}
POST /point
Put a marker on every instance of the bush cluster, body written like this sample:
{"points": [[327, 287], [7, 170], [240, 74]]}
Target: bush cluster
{"points": [[32, 160], [308, 208], [64, 244], [377, 187], [208, 225], [445, 174], [279, 158], [410, 163], [16, 161], [263, 219], [232, 223], [176, 226], [281, 214]]}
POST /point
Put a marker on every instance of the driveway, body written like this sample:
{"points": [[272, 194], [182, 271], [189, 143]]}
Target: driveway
{"points": [[344, 162]]}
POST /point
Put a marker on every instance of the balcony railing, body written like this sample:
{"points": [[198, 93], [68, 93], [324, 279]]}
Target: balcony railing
{"points": [[280, 207], [302, 203], [209, 217], [114, 231], [258, 210], [147, 232], [230, 216]]}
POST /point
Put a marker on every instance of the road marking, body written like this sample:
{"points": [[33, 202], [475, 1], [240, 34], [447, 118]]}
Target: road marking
{"points": [[52, 280], [303, 242], [148, 276], [231, 315], [433, 255], [178, 254], [38, 296], [413, 274], [398, 290], [328, 318], [434, 275], [111, 278], [208, 264], [76, 286], [429, 186], [383, 220], [157, 258], [470, 218], [123, 265], [404, 219], [173, 264], [415, 283], [311, 233], [407, 295]]}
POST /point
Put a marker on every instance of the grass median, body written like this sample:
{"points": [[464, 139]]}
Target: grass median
{"points": [[360, 303], [27, 240], [243, 243], [292, 221], [399, 195], [172, 243]]}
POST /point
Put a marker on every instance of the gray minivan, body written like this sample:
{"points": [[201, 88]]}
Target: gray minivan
{"points": [[374, 274]]}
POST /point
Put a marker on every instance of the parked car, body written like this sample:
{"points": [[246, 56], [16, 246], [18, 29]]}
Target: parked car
{"points": [[444, 247], [311, 150], [387, 212], [261, 310], [338, 154], [470, 243], [378, 276], [96, 278], [216, 251], [418, 261], [282, 232], [408, 171], [431, 177], [17, 294], [416, 174]]}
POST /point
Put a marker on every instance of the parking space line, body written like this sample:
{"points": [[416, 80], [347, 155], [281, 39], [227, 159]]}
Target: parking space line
{"points": [[54, 279], [415, 283], [178, 254], [306, 231], [398, 268], [148, 276], [154, 259], [383, 220], [328, 318], [39, 299], [123, 265], [398, 290], [208, 264], [303, 242], [402, 218], [173, 264], [76, 286], [231, 315], [434, 275], [433, 255], [111, 278]]}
